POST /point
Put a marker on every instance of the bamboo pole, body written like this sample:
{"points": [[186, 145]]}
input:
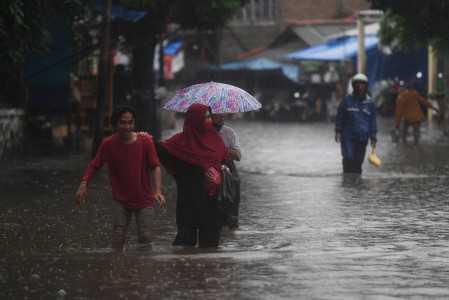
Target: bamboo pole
{"points": [[361, 55], [431, 78]]}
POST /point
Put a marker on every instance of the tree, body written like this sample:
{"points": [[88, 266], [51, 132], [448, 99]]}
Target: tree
{"points": [[411, 23], [23, 31], [142, 38], [416, 23], [189, 14]]}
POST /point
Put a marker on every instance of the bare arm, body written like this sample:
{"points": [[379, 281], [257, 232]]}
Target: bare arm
{"points": [[427, 103], [156, 183], [92, 168], [81, 193], [235, 154], [234, 145]]}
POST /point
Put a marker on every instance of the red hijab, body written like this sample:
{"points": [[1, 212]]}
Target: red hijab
{"points": [[198, 143]]}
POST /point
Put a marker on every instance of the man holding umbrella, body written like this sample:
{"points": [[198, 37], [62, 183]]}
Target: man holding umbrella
{"points": [[231, 141], [355, 125]]}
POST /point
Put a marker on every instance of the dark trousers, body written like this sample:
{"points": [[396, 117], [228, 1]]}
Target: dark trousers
{"points": [[231, 209], [416, 131], [353, 163], [198, 219]]}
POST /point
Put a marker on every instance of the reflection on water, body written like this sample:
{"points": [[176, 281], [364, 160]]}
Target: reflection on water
{"points": [[307, 232]]}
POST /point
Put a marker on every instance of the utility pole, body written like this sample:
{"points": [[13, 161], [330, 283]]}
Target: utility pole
{"points": [[363, 17], [105, 68], [431, 78], [361, 57], [161, 61]]}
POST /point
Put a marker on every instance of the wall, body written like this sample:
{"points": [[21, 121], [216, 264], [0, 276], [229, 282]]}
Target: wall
{"points": [[239, 37], [299, 10], [11, 130], [251, 37]]}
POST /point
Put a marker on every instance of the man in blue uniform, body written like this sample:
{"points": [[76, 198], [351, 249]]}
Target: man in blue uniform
{"points": [[355, 125]]}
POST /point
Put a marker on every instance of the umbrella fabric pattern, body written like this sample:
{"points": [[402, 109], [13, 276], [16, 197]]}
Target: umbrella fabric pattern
{"points": [[221, 97]]}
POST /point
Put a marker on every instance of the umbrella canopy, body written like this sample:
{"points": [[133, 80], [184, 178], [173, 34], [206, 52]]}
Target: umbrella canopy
{"points": [[221, 97]]}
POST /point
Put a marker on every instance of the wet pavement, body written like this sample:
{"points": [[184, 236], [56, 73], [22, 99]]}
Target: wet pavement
{"points": [[306, 231]]}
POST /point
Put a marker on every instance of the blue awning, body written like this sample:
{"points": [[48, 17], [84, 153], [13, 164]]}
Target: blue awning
{"points": [[344, 48], [172, 48], [290, 71], [120, 12]]}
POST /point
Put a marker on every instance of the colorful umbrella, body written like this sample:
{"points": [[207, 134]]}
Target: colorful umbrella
{"points": [[221, 97]]}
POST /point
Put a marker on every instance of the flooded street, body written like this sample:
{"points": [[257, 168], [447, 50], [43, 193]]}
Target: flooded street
{"points": [[306, 232]]}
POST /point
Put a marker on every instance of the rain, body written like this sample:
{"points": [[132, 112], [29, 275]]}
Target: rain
{"points": [[307, 230]]}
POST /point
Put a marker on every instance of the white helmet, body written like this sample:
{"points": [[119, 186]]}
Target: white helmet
{"points": [[359, 77]]}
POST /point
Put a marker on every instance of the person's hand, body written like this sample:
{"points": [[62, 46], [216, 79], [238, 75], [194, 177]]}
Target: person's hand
{"points": [[160, 199], [210, 174], [337, 137], [81, 194], [213, 176], [235, 154]]}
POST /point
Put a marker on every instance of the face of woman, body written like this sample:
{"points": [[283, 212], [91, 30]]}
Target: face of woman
{"points": [[207, 119], [198, 117]]}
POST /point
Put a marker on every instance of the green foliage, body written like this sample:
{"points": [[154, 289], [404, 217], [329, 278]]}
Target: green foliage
{"points": [[190, 14], [142, 4], [17, 32], [23, 26], [204, 14], [414, 23]]}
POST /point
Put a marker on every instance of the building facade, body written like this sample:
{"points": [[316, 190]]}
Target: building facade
{"points": [[261, 22]]}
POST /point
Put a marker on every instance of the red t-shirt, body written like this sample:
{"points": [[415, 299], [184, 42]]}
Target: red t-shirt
{"points": [[128, 167]]}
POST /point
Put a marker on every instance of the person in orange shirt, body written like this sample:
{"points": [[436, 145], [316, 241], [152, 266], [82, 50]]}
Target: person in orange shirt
{"points": [[408, 109]]}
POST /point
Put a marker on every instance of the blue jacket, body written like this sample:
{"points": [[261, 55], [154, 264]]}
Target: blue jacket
{"points": [[356, 119]]}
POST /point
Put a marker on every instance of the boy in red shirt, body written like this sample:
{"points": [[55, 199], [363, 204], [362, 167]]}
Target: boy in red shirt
{"points": [[134, 174]]}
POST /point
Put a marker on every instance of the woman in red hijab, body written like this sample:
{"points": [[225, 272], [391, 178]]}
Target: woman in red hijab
{"points": [[194, 158]]}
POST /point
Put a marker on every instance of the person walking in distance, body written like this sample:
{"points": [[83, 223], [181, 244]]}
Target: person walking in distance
{"points": [[408, 111], [355, 125]]}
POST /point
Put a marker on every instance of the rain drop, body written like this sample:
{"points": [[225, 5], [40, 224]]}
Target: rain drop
{"points": [[62, 293], [35, 277]]}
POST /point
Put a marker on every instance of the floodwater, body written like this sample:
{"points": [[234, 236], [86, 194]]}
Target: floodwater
{"points": [[306, 232]]}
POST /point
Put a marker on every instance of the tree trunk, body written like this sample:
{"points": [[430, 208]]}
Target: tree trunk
{"points": [[13, 88], [143, 77], [104, 68]]}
